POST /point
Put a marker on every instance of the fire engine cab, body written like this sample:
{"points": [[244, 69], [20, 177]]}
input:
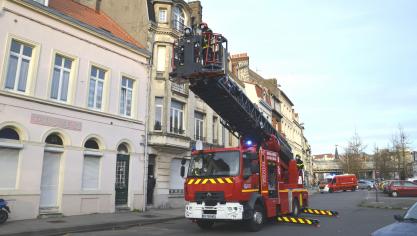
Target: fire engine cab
{"points": [[255, 181]]}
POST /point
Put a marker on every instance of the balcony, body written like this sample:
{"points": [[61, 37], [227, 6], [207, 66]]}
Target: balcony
{"points": [[179, 88]]}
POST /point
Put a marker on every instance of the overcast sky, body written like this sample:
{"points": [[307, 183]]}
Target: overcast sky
{"points": [[346, 65]]}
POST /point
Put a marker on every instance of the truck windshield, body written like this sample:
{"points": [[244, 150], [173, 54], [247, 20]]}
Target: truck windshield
{"points": [[214, 164]]}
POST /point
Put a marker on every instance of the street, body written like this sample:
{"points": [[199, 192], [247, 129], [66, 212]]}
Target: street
{"points": [[352, 220]]}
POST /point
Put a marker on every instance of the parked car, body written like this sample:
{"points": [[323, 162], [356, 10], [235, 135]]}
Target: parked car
{"points": [[340, 182], [406, 224], [365, 184], [402, 188]]}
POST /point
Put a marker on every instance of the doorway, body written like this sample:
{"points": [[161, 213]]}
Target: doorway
{"points": [[122, 176]]}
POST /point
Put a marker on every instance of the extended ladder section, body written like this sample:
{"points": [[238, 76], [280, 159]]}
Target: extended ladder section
{"points": [[205, 69]]}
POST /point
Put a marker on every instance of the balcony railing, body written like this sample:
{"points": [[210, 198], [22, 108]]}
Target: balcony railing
{"points": [[180, 88]]}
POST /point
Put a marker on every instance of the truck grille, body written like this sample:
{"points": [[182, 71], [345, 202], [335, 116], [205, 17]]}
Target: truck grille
{"points": [[209, 197]]}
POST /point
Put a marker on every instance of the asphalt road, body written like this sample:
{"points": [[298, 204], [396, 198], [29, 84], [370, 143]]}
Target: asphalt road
{"points": [[352, 220]]}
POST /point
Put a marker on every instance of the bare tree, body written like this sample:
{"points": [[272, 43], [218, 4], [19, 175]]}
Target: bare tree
{"points": [[384, 162], [353, 159], [400, 149]]}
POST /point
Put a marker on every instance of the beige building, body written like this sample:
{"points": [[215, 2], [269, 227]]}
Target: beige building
{"points": [[73, 91]]}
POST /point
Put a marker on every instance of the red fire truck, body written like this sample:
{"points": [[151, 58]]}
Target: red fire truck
{"points": [[255, 181]]}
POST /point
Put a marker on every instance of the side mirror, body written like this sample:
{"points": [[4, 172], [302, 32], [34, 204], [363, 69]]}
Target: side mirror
{"points": [[398, 218], [254, 168], [182, 171]]}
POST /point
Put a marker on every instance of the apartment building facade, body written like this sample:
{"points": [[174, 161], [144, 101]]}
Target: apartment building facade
{"points": [[276, 106], [73, 88]]}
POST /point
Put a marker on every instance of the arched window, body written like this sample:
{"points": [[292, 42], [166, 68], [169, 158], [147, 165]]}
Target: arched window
{"points": [[54, 139], [179, 19], [91, 144], [91, 167], [123, 149], [9, 133], [9, 157]]}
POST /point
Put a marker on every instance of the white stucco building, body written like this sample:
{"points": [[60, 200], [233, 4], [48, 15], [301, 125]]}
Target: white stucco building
{"points": [[73, 101]]}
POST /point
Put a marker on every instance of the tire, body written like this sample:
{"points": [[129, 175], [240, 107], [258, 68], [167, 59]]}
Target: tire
{"points": [[295, 208], [3, 216], [353, 189], [330, 190], [205, 224], [394, 194], [255, 224], [344, 190]]}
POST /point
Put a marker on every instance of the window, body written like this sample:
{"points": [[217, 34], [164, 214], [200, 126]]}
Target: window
{"points": [[160, 66], [95, 92], [176, 118], [159, 105], [9, 158], [162, 15], [54, 139], [179, 19], [61, 77], [126, 95], [91, 167], [199, 126], [215, 130], [18, 68], [9, 133]]}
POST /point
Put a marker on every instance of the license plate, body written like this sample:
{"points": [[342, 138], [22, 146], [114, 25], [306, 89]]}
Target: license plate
{"points": [[209, 216]]}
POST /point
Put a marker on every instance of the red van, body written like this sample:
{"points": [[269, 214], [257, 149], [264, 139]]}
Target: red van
{"points": [[339, 183]]}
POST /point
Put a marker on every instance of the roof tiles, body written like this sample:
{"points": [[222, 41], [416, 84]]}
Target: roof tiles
{"points": [[93, 18]]}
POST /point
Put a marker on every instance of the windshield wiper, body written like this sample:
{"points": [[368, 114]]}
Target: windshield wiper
{"points": [[410, 219]]}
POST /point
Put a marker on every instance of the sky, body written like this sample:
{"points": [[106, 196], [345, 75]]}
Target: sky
{"points": [[348, 66]]}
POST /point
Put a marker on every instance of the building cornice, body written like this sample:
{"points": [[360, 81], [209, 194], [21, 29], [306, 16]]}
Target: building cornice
{"points": [[69, 107]]}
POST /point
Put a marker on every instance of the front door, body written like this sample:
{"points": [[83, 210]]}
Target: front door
{"points": [[122, 179], [50, 180]]}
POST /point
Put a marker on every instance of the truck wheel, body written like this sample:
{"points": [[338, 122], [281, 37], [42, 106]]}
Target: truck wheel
{"points": [[295, 208], [3, 216], [205, 224], [258, 219], [353, 189], [394, 194]]}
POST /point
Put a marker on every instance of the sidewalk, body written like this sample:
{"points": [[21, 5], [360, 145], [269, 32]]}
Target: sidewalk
{"points": [[71, 224], [387, 202]]}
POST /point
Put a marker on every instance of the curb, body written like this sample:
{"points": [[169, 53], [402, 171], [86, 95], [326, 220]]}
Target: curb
{"points": [[93, 227]]}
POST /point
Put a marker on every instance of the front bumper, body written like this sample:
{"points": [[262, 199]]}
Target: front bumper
{"points": [[227, 211], [325, 189]]}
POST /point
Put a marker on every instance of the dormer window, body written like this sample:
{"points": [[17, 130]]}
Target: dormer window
{"points": [[43, 2]]}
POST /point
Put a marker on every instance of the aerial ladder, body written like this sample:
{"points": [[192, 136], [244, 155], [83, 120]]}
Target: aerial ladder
{"points": [[270, 187], [200, 59]]}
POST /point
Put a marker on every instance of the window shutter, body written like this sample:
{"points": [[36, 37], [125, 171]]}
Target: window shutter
{"points": [[8, 165]]}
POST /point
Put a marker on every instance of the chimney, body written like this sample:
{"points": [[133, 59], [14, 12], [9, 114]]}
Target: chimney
{"points": [[98, 5]]}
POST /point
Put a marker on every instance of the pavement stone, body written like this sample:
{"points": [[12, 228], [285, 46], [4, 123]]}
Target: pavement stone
{"points": [[92, 222]]}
